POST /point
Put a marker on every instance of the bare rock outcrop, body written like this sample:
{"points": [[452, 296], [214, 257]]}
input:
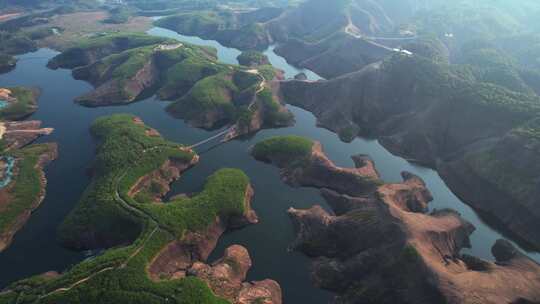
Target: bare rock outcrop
{"points": [[19, 134], [380, 246], [227, 275]]}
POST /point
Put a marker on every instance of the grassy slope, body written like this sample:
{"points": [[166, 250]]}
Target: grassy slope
{"points": [[210, 94], [273, 114], [102, 46], [184, 75], [224, 94], [198, 23], [284, 150], [219, 25]]}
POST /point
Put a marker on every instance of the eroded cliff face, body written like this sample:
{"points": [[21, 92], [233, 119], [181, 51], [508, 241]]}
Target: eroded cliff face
{"points": [[380, 246], [110, 91], [319, 171], [19, 134], [427, 113], [179, 256], [226, 277]]}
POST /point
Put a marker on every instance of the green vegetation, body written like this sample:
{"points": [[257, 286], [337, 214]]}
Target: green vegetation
{"points": [[223, 196], [284, 150], [393, 276], [480, 19], [274, 115], [197, 23], [25, 105], [457, 85], [184, 75], [120, 68], [252, 58], [239, 30], [220, 97], [267, 71], [126, 152], [16, 43], [211, 95], [124, 40], [100, 46], [123, 144], [25, 188], [510, 165], [205, 92]]}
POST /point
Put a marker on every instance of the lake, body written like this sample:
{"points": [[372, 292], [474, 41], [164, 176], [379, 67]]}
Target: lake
{"points": [[35, 249]]}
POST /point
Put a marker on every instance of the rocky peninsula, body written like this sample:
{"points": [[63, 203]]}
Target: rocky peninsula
{"points": [[482, 155], [380, 246]]}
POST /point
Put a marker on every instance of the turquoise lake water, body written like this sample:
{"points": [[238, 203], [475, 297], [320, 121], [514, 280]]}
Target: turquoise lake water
{"points": [[3, 103]]}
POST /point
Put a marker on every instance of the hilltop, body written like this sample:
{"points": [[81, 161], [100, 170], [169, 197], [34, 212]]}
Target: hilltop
{"points": [[443, 116], [206, 93]]}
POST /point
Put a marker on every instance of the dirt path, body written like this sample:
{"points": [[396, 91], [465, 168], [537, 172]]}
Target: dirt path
{"points": [[128, 206]]}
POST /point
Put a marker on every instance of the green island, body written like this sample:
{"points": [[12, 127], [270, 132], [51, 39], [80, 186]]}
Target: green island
{"points": [[20, 102], [206, 93], [284, 150], [137, 229]]}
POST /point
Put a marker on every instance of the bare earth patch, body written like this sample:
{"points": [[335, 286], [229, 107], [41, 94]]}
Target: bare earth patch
{"points": [[83, 24]]}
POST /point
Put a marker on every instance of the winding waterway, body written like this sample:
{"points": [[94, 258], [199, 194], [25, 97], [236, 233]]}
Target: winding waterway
{"points": [[35, 249]]}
